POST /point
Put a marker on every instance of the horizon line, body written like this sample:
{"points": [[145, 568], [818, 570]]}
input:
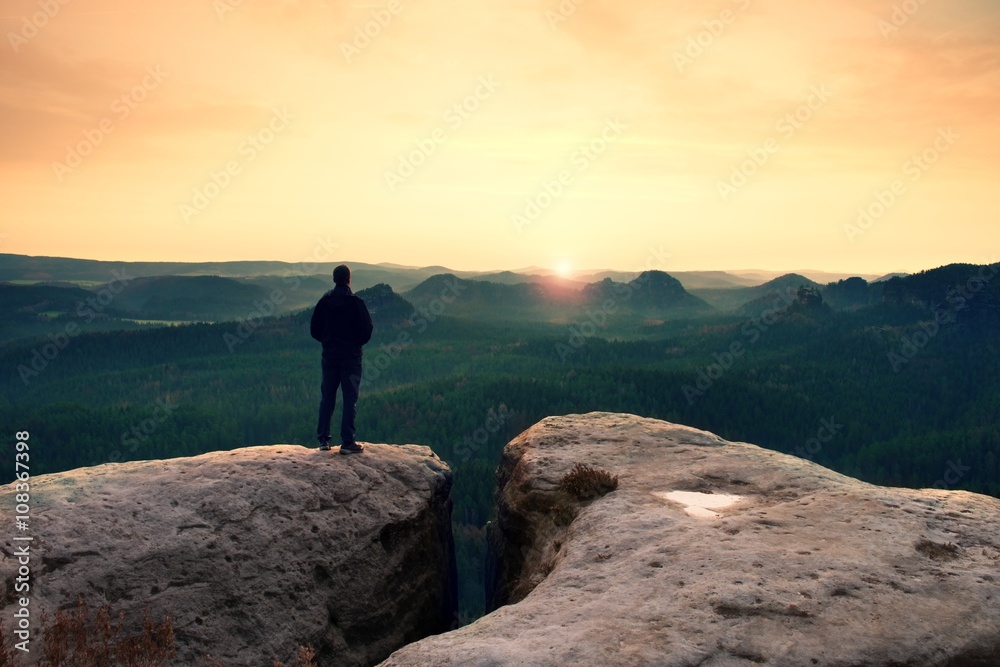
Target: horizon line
{"points": [[520, 270]]}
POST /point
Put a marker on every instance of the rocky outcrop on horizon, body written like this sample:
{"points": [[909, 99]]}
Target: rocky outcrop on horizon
{"points": [[722, 554], [252, 552]]}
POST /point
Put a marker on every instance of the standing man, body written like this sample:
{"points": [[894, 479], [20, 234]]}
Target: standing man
{"points": [[342, 323]]}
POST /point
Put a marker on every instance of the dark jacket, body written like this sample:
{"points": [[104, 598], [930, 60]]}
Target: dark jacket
{"points": [[341, 322]]}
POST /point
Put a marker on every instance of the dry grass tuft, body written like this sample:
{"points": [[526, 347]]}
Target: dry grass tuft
{"points": [[584, 482], [84, 637]]}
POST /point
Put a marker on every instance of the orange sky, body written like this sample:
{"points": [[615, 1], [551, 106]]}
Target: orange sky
{"points": [[245, 129]]}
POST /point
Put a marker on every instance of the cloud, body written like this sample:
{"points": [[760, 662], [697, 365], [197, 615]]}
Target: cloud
{"points": [[559, 80]]}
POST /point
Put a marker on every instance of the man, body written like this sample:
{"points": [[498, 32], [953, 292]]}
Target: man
{"points": [[342, 323]]}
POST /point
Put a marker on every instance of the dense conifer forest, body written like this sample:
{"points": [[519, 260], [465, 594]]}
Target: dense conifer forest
{"points": [[895, 383]]}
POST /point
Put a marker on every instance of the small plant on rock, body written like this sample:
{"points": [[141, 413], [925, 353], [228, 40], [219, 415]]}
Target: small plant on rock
{"points": [[585, 482], [304, 657], [86, 638]]}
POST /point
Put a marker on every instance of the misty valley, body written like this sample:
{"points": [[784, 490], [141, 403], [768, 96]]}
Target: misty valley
{"points": [[895, 381]]}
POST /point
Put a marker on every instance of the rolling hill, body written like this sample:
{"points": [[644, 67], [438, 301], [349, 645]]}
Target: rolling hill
{"points": [[743, 298], [651, 294]]}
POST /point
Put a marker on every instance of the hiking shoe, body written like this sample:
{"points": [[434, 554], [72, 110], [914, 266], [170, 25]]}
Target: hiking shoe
{"points": [[324, 448], [324, 444], [352, 448]]}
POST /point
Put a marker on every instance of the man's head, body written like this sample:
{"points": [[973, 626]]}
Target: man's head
{"points": [[342, 275]]}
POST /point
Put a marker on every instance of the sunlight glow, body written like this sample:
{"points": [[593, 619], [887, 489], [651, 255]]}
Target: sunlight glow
{"points": [[198, 132]]}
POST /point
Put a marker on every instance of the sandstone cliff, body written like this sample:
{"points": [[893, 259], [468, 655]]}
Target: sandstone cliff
{"points": [[721, 554], [253, 552]]}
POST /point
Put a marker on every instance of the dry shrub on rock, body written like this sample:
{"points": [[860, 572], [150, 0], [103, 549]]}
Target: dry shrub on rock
{"points": [[585, 482]]}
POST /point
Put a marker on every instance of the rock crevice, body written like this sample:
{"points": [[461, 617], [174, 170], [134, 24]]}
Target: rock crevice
{"points": [[786, 562]]}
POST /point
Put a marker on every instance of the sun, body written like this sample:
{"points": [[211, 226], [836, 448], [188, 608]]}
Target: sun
{"points": [[564, 269]]}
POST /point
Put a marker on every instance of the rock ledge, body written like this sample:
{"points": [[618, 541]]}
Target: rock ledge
{"points": [[253, 552], [803, 567]]}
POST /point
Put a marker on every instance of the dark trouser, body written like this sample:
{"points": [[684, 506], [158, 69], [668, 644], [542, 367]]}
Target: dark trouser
{"points": [[346, 375]]}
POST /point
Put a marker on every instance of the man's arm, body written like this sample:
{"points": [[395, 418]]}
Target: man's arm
{"points": [[365, 326], [316, 325]]}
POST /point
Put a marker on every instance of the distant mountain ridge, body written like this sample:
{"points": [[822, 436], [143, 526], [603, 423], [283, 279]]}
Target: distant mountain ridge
{"points": [[651, 294], [448, 292], [209, 298], [14, 267], [780, 290], [964, 290], [750, 298]]}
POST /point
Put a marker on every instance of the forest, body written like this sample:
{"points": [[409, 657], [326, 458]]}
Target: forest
{"points": [[895, 383]]}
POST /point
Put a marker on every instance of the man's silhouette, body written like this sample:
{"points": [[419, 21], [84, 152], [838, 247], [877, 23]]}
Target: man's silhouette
{"points": [[341, 322]]}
